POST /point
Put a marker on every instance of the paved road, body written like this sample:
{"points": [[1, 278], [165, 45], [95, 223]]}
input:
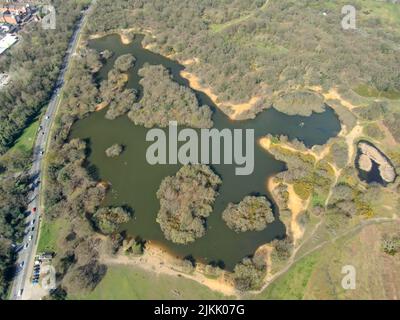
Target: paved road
{"points": [[26, 255]]}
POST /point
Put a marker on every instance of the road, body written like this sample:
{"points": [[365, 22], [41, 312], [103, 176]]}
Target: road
{"points": [[27, 254]]}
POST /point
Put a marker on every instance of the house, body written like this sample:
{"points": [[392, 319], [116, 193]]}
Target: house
{"points": [[14, 13]]}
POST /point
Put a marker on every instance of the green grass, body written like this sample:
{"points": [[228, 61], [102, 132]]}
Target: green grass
{"points": [[292, 285], [49, 233], [26, 141], [370, 92], [318, 200], [129, 282], [219, 27]]}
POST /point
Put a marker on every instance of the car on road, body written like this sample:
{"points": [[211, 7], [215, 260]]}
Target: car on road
{"points": [[21, 264], [20, 292], [18, 248], [32, 222], [30, 238], [26, 245], [33, 229], [47, 117], [33, 209]]}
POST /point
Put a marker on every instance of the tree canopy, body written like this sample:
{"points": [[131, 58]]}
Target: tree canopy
{"points": [[183, 213], [251, 214]]}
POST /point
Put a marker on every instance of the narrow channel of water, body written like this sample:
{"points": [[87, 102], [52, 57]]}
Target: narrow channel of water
{"points": [[135, 182]]}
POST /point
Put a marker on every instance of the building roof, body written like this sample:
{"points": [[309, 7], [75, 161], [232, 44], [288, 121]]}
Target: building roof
{"points": [[7, 42]]}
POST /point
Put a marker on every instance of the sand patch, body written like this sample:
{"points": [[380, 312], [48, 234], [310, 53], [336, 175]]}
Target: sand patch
{"points": [[158, 260], [101, 106], [232, 110], [296, 206], [188, 62], [333, 94]]}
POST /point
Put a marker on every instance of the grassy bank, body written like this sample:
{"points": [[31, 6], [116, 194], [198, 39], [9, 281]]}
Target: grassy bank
{"points": [[128, 282], [27, 140]]}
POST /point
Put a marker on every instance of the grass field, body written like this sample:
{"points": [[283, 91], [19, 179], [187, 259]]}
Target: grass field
{"points": [[26, 141], [49, 234], [292, 285], [127, 282], [319, 275], [368, 92]]}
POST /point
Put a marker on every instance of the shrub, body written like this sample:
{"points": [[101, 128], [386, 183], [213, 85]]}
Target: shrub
{"points": [[114, 151], [248, 275], [107, 220], [124, 62], [251, 214]]}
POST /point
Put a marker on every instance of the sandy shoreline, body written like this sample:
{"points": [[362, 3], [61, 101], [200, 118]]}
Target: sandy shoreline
{"points": [[232, 110], [158, 260]]}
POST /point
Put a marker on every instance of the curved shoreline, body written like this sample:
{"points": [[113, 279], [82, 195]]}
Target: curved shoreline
{"points": [[368, 154], [194, 83], [157, 259]]}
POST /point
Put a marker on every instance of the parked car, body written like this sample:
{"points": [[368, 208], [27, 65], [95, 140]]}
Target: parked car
{"points": [[33, 209], [26, 245], [20, 292], [21, 264], [30, 238]]}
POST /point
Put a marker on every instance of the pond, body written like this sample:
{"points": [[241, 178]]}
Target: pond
{"points": [[374, 175], [135, 183]]}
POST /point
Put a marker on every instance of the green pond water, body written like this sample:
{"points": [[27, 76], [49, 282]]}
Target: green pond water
{"points": [[135, 182]]}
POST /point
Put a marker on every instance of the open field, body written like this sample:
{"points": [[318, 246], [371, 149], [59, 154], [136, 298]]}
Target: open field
{"points": [[318, 275], [127, 282], [49, 233], [26, 141]]}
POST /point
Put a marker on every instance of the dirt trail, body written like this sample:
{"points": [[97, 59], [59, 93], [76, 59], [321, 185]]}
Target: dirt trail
{"points": [[156, 259], [350, 140], [293, 259]]}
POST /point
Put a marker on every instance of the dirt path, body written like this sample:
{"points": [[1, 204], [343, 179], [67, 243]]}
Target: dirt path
{"points": [[293, 259], [159, 261], [350, 141]]}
